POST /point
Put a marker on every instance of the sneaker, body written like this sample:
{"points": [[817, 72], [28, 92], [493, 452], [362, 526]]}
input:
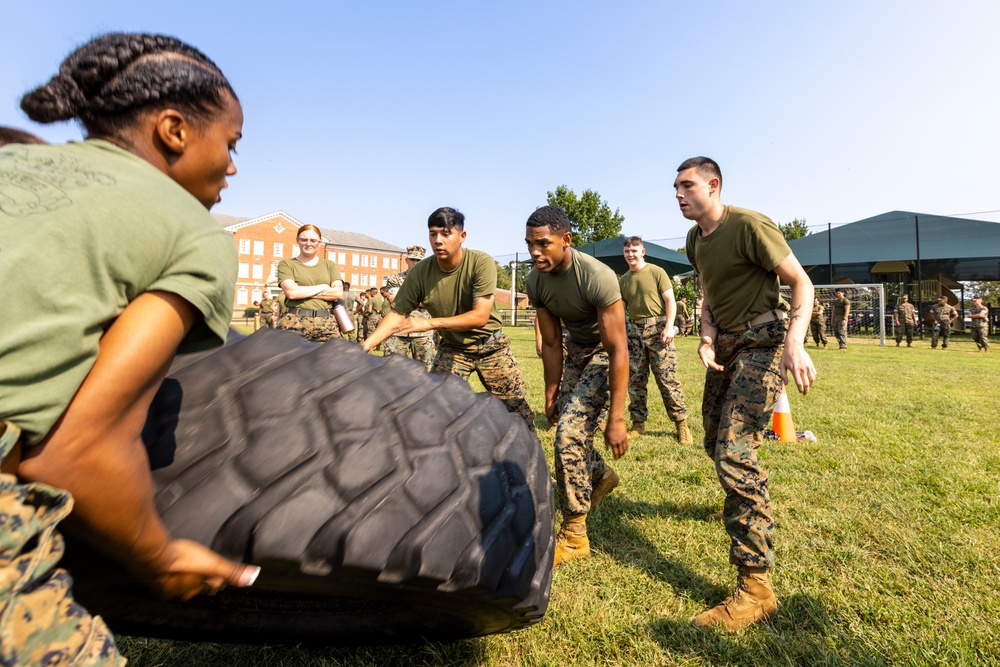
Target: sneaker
{"points": [[572, 541], [602, 487], [752, 600]]}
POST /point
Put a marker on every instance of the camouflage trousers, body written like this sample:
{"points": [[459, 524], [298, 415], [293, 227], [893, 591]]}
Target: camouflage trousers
{"points": [[907, 328], [421, 348], [840, 332], [496, 368], [818, 330], [736, 409], [942, 332], [371, 323], [980, 333], [40, 623], [584, 393], [319, 329], [646, 352], [267, 321]]}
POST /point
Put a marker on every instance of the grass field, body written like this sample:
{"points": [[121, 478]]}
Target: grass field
{"points": [[887, 540]]}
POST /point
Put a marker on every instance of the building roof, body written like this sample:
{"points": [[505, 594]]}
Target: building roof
{"points": [[336, 237], [357, 240], [610, 251]]}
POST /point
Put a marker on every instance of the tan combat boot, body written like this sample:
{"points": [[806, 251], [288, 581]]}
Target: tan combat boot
{"points": [[716, 516], [602, 487], [752, 600], [572, 541], [684, 433], [638, 428]]}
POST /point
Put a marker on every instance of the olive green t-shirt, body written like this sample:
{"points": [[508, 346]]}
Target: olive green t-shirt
{"points": [[386, 307], [840, 307], [642, 291], [86, 228], [374, 304], [575, 294], [817, 314], [736, 265], [451, 293], [904, 313], [324, 272]]}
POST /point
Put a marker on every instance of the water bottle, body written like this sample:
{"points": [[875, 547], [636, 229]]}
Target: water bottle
{"points": [[343, 319]]}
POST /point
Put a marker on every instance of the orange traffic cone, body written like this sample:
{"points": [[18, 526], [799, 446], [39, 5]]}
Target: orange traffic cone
{"points": [[782, 423]]}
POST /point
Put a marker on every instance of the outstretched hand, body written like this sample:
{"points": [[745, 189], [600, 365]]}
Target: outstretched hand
{"points": [[795, 360]]}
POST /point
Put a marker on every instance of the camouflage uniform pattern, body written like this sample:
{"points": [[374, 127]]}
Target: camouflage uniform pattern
{"points": [[817, 325], [421, 346], [904, 313], [942, 314], [318, 329], [584, 394], [839, 326], [372, 319], [496, 368], [980, 329], [40, 623], [266, 314], [647, 352], [736, 408]]}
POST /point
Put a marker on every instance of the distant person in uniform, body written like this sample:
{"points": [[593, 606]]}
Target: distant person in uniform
{"points": [[421, 345], [942, 316], [268, 311], [818, 323], [841, 310], [979, 327], [648, 295], [751, 341], [458, 287], [361, 315], [905, 320], [373, 311], [350, 301], [683, 320]]}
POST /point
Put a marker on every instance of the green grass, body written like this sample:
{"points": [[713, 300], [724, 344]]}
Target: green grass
{"points": [[887, 538]]}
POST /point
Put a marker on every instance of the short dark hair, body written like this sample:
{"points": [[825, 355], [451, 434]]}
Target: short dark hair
{"points": [[110, 80], [705, 166], [446, 217], [11, 135], [347, 285], [633, 240], [551, 216]]}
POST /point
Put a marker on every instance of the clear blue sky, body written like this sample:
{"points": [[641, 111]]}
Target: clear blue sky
{"points": [[366, 116]]}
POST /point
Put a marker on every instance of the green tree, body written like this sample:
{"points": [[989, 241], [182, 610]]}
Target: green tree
{"points": [[503, 276], [795, 229], [987, 290], [591, 218]]}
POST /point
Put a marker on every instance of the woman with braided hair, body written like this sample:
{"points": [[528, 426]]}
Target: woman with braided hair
{"points": [[114, 266]]}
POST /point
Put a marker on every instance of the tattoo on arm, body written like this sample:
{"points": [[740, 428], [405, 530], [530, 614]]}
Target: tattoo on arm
{"points": [[795, 314]]}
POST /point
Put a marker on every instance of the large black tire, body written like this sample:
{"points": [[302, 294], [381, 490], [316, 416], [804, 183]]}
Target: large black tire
{"points": [[383, 503]]}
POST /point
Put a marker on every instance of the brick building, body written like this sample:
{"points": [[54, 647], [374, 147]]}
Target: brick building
{"points": [[264, 241]]}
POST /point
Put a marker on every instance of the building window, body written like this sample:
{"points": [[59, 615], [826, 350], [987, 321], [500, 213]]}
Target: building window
{"points": [[364, 280], [373, 283], [278, 228], [364, 260], [354, 279], [374, 261], [395, 263], [244, 246], [354, 259], [273, 276], [341, 258], [241, 296], [244, 271], [258, 271], [256, 295], [385, 262], [279, 249], [258, 248]]}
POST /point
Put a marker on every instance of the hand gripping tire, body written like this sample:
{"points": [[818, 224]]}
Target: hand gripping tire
{"points": [[383, 503]]}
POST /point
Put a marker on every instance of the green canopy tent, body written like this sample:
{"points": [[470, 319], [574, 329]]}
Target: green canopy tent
{"points": [[610, 252]]}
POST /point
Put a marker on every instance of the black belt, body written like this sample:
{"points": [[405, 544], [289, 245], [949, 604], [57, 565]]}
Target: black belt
{"points": [[304, 312]]}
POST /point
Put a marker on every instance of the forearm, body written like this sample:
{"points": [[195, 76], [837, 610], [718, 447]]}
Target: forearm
{"points": [[384, 329], [95, 450], [299, 292], [552, 363], [802, 298], [463, 322], [618, 379]]}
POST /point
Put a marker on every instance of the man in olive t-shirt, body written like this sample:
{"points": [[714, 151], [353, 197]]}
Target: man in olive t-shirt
{"points": [[748, 349], [572, 290], [905, 319], [943, 315], [841, 309], [650, 307], [457, 287]]}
